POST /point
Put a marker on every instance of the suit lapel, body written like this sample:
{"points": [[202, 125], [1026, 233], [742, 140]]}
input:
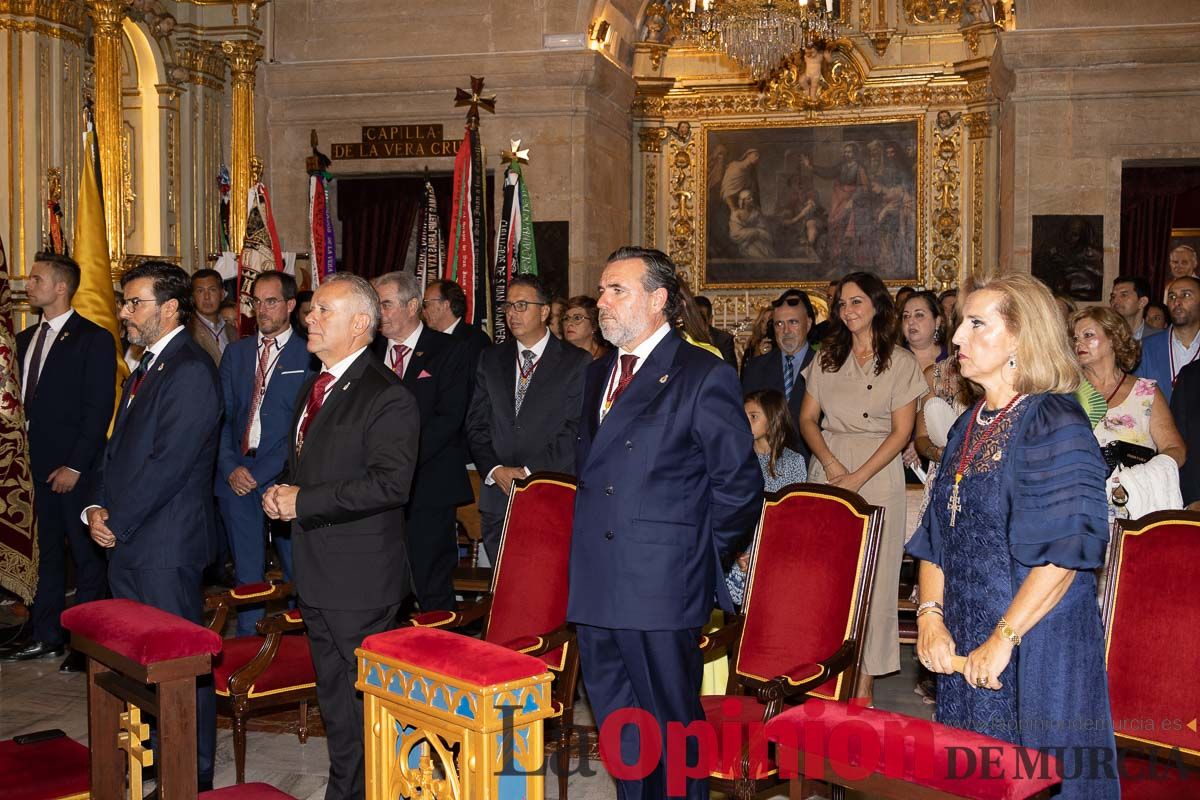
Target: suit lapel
{"points": [[595, 392], [650, 379], [546, 365], [508, 376], [420, 358], [150, 382], [63, 346], [339, 389]]}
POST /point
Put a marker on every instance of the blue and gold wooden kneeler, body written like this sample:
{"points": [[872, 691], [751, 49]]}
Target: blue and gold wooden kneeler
{"points": [[448, 717]]}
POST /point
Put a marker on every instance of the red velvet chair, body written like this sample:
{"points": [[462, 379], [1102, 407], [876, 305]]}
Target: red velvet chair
{"points": [[804, 615], [51, 769], [526, 609], [265, 672], [1152, 614]]}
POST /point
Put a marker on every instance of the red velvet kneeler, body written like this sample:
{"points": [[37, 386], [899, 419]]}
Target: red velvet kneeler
{"points": [[891, 754], [47, 770]]}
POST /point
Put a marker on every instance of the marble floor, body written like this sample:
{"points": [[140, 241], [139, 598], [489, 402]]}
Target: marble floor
{"points": [[36, 696]]}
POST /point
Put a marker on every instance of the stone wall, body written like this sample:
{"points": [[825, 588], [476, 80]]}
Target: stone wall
{"points": [[336, 66]]}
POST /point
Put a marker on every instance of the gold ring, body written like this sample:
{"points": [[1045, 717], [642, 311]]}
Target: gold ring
{"points": [[982, 682]]}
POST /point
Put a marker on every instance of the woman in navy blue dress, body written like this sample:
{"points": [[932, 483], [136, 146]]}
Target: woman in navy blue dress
{"points": [[1015, 526]]}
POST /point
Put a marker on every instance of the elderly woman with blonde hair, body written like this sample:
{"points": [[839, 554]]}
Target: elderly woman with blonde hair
{"points": [[1015, 527]]}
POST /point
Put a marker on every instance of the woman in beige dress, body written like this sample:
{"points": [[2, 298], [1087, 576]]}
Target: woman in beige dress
{"points": [[867, 389]]}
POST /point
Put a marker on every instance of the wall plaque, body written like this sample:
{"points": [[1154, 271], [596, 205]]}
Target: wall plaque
{"points": [[396, 141]]}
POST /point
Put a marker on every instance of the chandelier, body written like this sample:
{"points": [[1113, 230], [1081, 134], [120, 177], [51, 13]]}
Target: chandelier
{"points": [[758, 34]]}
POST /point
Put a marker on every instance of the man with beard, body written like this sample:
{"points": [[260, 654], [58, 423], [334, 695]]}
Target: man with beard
{"points": [[668, 483], [782, 370], [153, 503], [1165, 353]]}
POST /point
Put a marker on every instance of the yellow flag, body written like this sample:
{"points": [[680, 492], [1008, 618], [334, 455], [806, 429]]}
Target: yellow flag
{"points": [[96, 299]]}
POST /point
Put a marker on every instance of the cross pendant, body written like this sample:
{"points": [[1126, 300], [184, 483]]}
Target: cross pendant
{"points": [[954, 505]]}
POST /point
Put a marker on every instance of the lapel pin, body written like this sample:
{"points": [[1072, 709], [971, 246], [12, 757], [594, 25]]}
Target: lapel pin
{"points": [[160, 367], [419, 353], [345, 386], [663, 379], [65, 334]]}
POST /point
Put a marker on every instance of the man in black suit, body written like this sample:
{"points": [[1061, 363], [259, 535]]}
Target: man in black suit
{"points": [[722, 340], [153, 503], [525, 410], [781, 369], [1185, 408], [433, 366], [443, 307], [347, 480], [68, 376]]}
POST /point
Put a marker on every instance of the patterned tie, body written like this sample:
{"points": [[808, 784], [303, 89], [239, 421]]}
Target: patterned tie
{"points": [[789, 376], [139, 374], [399, 353], [316, 398], [627, 363], [260, 379], [35, 362], [527, 368]]}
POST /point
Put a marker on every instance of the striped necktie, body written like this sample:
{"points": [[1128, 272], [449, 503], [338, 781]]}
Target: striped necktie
{"points": [[789, 375]]}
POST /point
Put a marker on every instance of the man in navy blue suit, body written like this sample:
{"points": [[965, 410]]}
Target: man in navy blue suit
{"points": [[781, 369], [668, 486], [68, 371], [261, 378], [1167, 352], [152, 505]]}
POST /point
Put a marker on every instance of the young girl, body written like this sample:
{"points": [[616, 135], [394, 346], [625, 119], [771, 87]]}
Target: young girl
{"points": [[775, 440]]}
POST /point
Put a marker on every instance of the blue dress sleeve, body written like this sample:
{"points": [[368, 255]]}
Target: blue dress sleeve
{"points": [[1059, 512]]}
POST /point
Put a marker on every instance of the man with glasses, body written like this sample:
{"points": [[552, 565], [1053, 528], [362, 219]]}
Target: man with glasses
{"points": [[781, 369], [261, 377], [433, 366], [68, 370], [525, 410], [153, 504], [207, 326]]}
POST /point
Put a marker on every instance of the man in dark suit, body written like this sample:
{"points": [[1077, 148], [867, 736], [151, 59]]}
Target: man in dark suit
{"points": [[433, 366], [525, 409], [68, 374], [668, 486], [347, 480], [444, 305], [780, 369], [722, 340], [153, 502], [1185, 408], [1167, 352], [261, 377]]}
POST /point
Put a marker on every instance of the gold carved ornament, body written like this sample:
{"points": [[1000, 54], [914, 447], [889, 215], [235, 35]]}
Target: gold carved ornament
{"points": [[947, 179], [681, 222], [816, 80]]}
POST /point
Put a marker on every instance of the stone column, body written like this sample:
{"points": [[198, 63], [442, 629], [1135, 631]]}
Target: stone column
{"points": [[106, 32], [243, 56]]}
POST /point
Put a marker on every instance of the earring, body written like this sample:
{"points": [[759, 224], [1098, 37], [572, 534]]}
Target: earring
{"points": [[1012, 362]]}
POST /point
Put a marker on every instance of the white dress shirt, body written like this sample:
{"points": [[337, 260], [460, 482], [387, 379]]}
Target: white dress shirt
{"points": [[642, 351], [281, 339], [410, 343], [453, 325], [56, 326]]}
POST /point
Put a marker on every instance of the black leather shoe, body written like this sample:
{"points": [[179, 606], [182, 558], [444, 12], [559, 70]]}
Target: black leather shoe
{"points": [[74, 662], [32, 651]]}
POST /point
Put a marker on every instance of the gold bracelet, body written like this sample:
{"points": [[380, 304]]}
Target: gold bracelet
{"points": [[1007, 632], [931, 610]]}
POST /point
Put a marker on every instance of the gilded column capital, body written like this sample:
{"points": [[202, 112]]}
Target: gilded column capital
{"points": [[243, 56], [107, 16], [979, 124], [650, 139]]}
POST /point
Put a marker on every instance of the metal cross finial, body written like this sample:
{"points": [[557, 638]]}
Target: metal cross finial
{"points": [[475, 100], [515, 153]]}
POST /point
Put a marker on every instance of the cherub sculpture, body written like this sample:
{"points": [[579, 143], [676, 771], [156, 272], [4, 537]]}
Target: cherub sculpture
{"points": [[815, 59]]}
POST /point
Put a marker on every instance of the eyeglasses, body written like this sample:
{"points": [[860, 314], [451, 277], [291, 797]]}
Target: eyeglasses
{"points": [[521, 306], [425, 303], [575, 317], [266, 302], [131, 303]]}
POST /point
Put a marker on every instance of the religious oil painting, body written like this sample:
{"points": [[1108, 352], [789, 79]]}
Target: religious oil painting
{"points": [[1068, 254], [807, 204]]}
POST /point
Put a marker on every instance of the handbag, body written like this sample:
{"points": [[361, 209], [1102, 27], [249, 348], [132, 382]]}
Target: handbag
{"points": [[1126, 454]]}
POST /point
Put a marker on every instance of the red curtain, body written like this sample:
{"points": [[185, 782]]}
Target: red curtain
{"points": [[1149, 196], [377, 216]]}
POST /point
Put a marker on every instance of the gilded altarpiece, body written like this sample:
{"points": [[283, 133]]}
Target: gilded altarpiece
{"points": [[904, 82]]}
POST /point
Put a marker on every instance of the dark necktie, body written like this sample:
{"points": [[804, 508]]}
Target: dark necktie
{"points": [[139, 374], [399, 353], [527, 367], [627, 363], [789, 376], [35, 362], [260, 380], [316, 398]]}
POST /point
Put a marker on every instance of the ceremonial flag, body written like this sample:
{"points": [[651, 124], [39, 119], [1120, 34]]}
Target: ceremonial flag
{"points": [[467, 233], [321, 244], [260, 252], [515, 251], [431, 250], [18, 526], [96, 299], [223, 185]]}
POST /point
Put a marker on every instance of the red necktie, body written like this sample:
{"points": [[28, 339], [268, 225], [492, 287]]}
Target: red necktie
{"points": [[399, 353], [260, 378], [627, 363], [316, 398]]}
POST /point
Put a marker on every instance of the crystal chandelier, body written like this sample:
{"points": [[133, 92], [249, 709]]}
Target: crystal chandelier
{"points": [[758, 34]]}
